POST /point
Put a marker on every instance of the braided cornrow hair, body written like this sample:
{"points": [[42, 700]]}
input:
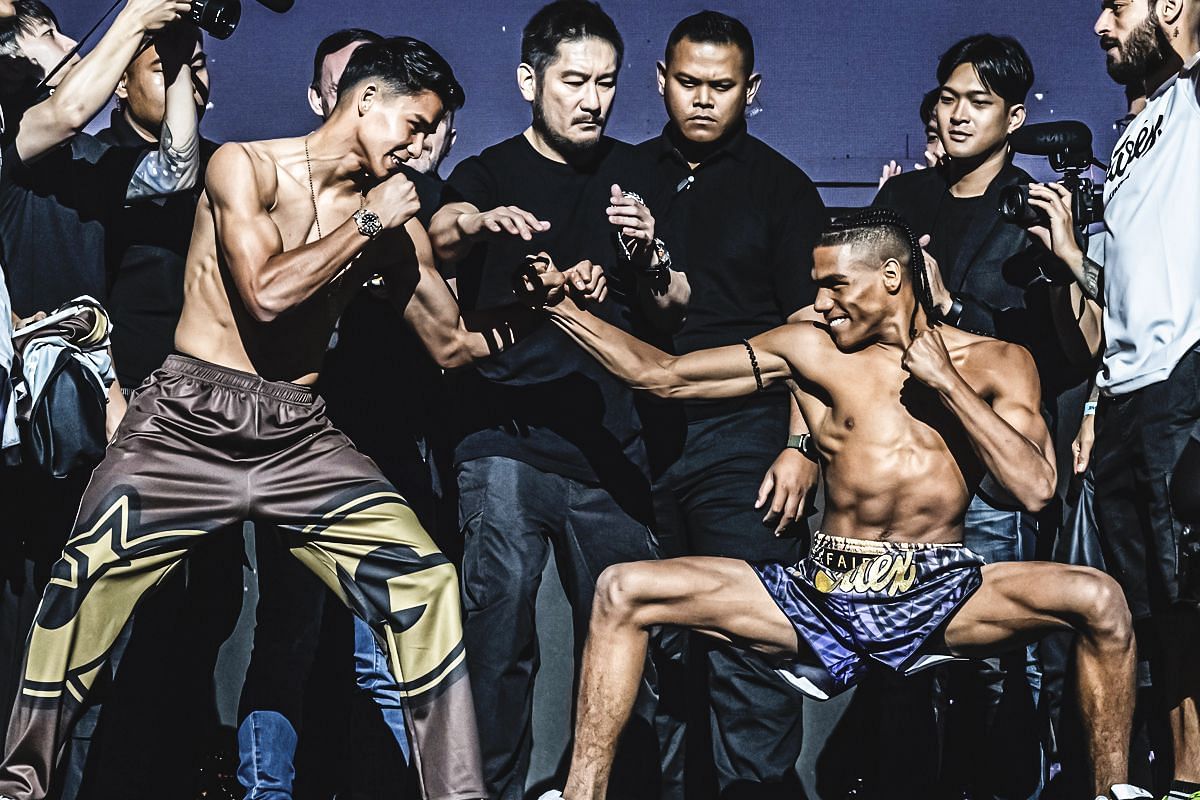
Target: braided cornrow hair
{"points": [[842, 230]]}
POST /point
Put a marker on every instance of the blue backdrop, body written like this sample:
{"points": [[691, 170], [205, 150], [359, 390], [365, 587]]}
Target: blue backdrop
{"points": [[842, 80]]}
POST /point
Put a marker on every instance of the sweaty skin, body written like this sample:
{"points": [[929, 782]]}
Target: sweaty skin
{"points": [[256, 211], [899, 464]]}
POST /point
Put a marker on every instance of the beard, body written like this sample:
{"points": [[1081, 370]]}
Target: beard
{"points": [[1141, 55], [567, 148]]}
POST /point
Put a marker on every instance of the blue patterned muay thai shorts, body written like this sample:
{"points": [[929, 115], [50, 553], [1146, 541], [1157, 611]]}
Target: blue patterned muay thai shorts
{"points": [[857, 601]]}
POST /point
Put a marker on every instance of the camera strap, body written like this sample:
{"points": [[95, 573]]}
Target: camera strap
{"points": [[41, 87]]}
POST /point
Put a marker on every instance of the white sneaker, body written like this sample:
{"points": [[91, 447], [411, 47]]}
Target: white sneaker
{"points": [[1125, 791], [553, 794]]}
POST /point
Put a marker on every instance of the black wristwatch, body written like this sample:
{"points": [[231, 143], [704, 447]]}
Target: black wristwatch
{"points": [[805, 444]]}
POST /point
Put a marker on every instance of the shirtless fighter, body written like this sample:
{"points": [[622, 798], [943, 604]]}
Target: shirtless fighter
{"points": [[908, 416], [230, 429]]}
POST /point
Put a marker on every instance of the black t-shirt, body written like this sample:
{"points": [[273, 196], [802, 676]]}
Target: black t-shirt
{"points": [[53, 215], [544, 401], [955, 218], [147, 246]]}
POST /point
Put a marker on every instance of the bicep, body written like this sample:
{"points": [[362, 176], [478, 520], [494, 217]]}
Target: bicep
{"points": [[422, 293], [1017, 398], [730, 371], [246, 235]]}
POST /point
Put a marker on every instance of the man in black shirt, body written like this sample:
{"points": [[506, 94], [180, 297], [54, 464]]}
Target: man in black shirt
{"points": [[551, 450], [742, 220], [58, 188], [990, 281]]}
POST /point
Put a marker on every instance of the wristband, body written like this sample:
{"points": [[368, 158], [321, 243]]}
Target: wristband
{"points": [[956, 309], [1089, 408]]}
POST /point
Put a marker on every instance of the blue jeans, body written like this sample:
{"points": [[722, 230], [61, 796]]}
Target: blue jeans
{"points": [[991, 735], [267, 739]]}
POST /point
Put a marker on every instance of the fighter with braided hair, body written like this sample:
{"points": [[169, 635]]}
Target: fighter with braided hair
{"points": [[907, 416]]}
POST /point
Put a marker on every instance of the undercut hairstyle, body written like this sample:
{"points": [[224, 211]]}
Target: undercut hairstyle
{"points": [[27, 16], [713, 27], [336, 41], [929, 105], [886, 235], [406, 66], [566, 21], [1000, 62]]}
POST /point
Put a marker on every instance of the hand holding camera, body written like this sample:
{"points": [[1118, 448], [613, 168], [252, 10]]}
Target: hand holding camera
{"points": [[1055, 228], [153, 15]]}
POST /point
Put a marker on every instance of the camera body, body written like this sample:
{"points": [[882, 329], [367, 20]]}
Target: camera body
{"points": [[1068, 147]]}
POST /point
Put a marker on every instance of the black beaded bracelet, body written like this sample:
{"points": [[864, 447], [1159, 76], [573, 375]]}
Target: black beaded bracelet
{"points": [[754, 365]]}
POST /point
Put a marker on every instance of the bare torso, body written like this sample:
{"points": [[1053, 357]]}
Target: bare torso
{"points": [[898, 464], [215, 325]]}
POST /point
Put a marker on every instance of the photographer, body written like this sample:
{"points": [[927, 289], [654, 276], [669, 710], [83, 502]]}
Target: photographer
{"points": [[1143, 272], [988, 279], [59, 189]]}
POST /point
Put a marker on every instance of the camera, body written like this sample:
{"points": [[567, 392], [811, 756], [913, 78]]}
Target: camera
{"points": [[1068, 146], [218, 18], [221, 17]]}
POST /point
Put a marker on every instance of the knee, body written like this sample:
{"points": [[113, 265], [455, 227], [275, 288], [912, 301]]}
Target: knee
{"points": [[619, 593], [1104, 609]]}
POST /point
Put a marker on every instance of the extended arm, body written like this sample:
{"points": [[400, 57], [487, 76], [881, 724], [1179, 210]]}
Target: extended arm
{"points": [[457, 226], [90, 83], [269, 279], [432, 312], [715, 373], [1009, 434]]}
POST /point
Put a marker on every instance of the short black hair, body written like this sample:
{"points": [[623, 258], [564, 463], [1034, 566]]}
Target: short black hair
{"points": [[888, 236], [566, 21], [406, 66], [336, 41], [929, 105], [28, 14], [714, 27], [1001, 63]]}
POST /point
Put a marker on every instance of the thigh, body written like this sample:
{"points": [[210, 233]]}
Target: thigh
{"points": [[1018, 603], [719, 597]]}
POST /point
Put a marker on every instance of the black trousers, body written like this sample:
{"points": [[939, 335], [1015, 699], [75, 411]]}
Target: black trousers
{"points": [[704, 505], [1139, 439], [513, 515]]}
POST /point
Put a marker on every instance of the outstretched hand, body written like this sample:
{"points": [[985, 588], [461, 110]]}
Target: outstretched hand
{"points": [[928, 360]]}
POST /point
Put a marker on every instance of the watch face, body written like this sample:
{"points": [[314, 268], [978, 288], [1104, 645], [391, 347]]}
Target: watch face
{"points": [[368, 223]]}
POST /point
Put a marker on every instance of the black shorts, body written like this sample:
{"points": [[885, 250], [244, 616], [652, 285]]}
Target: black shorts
{"points": [[1139, 438]]}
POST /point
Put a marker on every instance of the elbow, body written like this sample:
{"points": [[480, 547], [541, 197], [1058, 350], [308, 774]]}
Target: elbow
{"points": [[452, 353], [73, 116], [1038, 494], [262, 307]]}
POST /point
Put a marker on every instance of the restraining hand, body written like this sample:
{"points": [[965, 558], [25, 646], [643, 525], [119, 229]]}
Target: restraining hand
{"points": [[503, 221], [635, 223], [941, 295]]}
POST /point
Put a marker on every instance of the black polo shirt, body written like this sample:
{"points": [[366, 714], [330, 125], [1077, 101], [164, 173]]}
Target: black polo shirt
{"points": [[544, 401], [742, 225]]}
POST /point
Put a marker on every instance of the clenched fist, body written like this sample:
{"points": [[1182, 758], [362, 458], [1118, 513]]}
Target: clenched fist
{"points": [[928, 360], [394, 200]]}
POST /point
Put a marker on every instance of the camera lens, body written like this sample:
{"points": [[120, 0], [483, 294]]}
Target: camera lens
{"points": [[218, 17], [1014, 206]]}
